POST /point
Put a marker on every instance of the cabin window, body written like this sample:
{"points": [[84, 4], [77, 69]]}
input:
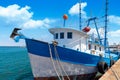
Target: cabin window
{"points": [[95, 47], [100, 48], [61, 35], [56, 36], [89, 46], [64, 46], [69, 35]]}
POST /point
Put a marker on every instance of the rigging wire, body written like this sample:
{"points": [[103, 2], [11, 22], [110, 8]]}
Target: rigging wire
{"points": [[102, 7], [98, 20]]}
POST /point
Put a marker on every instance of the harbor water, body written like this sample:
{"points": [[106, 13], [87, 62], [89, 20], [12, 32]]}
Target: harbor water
{"points": [[14, 64]]}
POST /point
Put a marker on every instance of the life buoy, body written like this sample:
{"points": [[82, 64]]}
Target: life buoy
{"points": [[112, 62], [102, 67]]}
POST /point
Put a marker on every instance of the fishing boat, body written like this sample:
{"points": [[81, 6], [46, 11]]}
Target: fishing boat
{"points": [[72, 55]]}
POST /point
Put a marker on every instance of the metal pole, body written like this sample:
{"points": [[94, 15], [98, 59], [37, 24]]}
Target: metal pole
{"points": [[80, 25], [64, 23], [80, 19], [106, 22], [97, 31]]}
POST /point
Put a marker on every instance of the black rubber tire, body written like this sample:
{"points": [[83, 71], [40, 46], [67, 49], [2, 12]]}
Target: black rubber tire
{"points": [[112, 62], [102, 67]]}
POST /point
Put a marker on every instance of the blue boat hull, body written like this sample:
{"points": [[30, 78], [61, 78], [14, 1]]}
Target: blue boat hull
{"points": [[40, 56], [68, 55]]}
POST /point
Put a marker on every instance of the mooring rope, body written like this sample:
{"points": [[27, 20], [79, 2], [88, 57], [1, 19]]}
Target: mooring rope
{"points": [[58, 59], [51, 58]]}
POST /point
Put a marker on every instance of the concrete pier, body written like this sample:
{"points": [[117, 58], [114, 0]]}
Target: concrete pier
{"points": [[113, 73]]}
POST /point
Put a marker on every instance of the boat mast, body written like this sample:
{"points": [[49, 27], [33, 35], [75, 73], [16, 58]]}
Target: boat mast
{"points": [[80, 15], [106, 22], [80, 20]]}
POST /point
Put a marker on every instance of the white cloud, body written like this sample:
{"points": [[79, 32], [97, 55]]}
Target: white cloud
{"points": [[74, 10], [114, 19], [114, 37], [37, 23], [114, 33], [15, 15], [100, 30]]}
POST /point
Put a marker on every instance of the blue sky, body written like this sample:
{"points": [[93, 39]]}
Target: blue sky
{"points": [[35, 17]]}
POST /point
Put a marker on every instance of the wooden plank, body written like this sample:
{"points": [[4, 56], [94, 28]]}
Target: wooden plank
{"points": [[113, 73]]}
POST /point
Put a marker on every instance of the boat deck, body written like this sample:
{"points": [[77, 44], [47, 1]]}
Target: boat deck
{"points": [[113, 73]]}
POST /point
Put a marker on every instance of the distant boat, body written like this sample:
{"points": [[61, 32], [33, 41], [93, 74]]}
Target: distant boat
{"points": [[73, 54]]}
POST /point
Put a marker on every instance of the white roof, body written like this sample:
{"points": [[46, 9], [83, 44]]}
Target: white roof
{"points": [[54, 30]]}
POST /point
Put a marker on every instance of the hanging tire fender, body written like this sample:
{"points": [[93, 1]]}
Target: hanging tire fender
{"points": [[112, 62], [102, 67]]}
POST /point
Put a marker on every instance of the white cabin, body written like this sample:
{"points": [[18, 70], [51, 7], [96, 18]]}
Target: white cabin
{"points": [[74, 39]]}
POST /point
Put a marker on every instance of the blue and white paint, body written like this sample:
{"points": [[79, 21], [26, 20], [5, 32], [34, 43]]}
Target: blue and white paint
{"points": [[71, 53]]}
